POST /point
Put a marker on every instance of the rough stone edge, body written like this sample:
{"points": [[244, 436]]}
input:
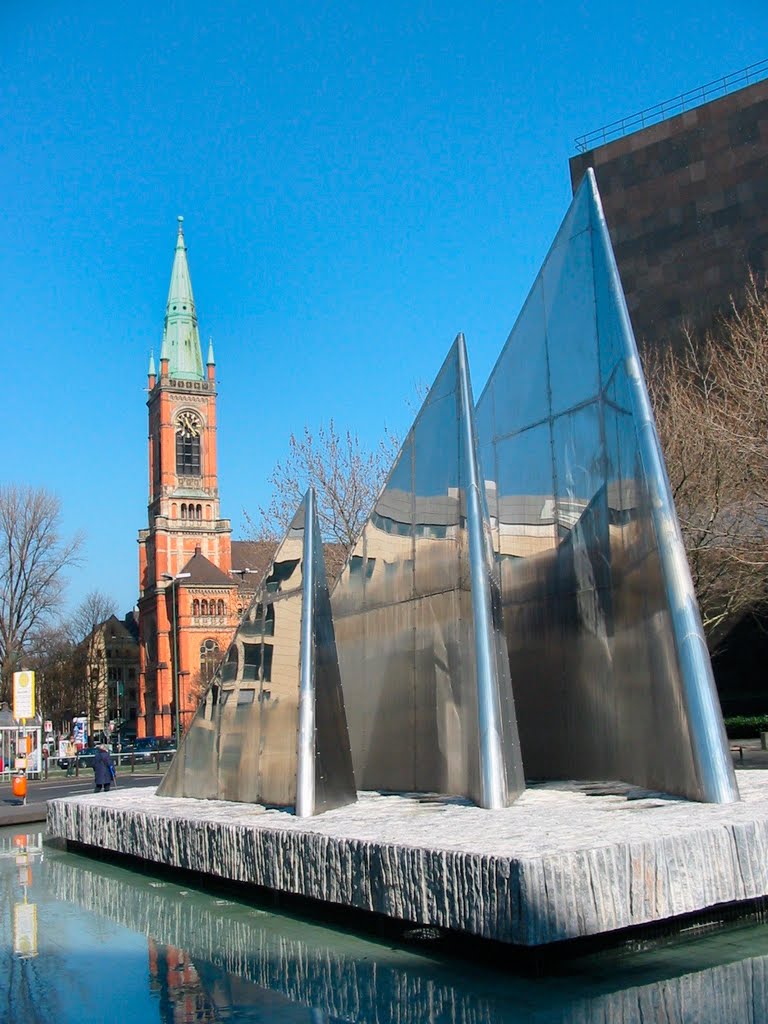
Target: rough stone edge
{"points": [[525, 901]]}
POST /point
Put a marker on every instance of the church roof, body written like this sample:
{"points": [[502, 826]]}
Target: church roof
{"points": [[203, 572], [181, 338], [255, 556]]}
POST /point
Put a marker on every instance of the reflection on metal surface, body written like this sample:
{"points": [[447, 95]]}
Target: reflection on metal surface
{"points": [[418, 619], [271, 728], [609, 664]]}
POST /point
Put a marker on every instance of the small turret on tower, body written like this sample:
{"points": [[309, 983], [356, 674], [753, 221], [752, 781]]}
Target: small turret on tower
{"points": [[210, 361]]}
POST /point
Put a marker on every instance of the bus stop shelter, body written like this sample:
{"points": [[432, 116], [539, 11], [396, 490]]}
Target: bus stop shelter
{"points": [[20, 742]]}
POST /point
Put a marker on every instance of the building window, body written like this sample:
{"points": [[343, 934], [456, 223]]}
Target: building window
{"points": [[199, 511], [281, 573], [219, 607], [188, 430], [265, 619], [204, 607], [195, 607], [210, 657], [258, 662]]}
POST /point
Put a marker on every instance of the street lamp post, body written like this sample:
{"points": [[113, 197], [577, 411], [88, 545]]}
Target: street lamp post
{"points": [[242, 573], [176, 713]]}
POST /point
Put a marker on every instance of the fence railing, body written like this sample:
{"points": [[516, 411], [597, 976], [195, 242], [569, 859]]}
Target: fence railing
{"points": [[130, 761], [670, 108]]}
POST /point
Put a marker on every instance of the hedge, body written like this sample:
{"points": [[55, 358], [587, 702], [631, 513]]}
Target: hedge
{"points": [[744, 727]]}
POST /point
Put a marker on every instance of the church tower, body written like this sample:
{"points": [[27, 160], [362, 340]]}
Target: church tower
{"points": [[188, 597]]}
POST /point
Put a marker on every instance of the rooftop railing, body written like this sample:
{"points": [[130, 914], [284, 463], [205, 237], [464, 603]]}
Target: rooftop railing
{"points": [[669, 108]]}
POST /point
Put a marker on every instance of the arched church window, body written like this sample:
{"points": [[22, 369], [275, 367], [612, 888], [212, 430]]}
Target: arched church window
{"points": [[184, 510], [210, 658], [195, 607], [219, 607], [188, 430], [204, 607], [199, 512]]}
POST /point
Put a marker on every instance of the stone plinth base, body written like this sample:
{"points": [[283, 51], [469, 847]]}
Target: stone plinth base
{"points": [[567, 860]]}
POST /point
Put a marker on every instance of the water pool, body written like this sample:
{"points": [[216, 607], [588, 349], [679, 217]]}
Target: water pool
{"points": [[86, 940]]}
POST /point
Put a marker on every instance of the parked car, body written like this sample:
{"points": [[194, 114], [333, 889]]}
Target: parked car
{"points": [[146, 749], [167, 749], [121, 741], [84, 759]]}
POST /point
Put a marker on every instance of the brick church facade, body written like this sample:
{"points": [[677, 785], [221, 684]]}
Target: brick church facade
{"points": [[193, 579]]}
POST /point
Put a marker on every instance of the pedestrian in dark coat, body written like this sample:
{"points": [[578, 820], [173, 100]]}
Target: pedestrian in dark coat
{"points": [[102, 768]]}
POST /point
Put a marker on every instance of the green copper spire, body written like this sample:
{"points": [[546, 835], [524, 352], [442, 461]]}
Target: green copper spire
{"points": [[151, 372], [181, 340], [210, 361]]}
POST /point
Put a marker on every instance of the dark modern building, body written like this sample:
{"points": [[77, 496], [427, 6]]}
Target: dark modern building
{"points": [[686, 200]]}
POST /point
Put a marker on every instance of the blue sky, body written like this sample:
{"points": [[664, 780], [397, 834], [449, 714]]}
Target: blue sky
{"points": [[359, 182]]}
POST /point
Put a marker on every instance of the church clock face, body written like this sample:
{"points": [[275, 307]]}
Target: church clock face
{"points": [[188, 424]]}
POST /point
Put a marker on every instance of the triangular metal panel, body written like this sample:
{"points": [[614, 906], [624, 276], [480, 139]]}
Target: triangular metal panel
{"points": [[271, 728], [418, 618], [608, 659]]}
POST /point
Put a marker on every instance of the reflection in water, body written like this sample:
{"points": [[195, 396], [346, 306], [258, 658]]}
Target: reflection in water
{"points": [[190, 991], [119, 946]]}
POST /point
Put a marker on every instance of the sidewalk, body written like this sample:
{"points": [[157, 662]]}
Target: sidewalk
{"points": [[18, 814], [40, 791], [752, 754]]}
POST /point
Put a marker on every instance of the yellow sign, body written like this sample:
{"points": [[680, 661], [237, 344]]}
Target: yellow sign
{"points": [[25, 929], [23, 695]]}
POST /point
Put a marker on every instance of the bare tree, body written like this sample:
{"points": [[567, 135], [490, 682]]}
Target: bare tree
{"points": [[711, 407], [346, 476], [58, 666], [95, 609], [741, 365], [33, 560]]}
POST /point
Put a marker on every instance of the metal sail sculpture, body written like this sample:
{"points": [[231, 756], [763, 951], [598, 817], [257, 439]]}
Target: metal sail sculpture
{"points": [[418, 619], [272, 727], [609, 664]]}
